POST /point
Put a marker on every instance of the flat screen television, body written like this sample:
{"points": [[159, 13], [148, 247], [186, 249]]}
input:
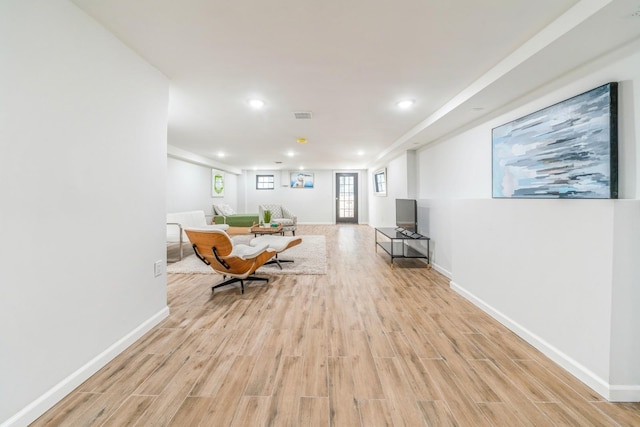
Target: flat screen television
{"points": [[407, 214]]}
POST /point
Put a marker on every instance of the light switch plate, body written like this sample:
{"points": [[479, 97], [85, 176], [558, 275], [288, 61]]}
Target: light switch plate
{"points": [[157, 268]]}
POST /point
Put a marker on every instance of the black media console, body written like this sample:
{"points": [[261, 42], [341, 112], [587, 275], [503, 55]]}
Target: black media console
{"points": [[399, 243]]}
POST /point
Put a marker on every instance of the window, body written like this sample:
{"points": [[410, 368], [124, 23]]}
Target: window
{"points": [[380, 182], [265, 182]]}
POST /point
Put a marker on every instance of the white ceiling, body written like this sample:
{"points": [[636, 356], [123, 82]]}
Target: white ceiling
{"points": [[349, 62]]}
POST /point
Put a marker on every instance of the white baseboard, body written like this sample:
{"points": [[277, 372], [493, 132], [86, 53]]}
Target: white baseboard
{"points": [[316, 223], [43, 403], [624, 393], [613, 393], [443, 271]]}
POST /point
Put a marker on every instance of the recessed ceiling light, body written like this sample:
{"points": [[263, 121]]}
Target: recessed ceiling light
{"points": [[301, 168], [360, 153], [290, 154], [404, 104], [220, 154], [256, 103]]}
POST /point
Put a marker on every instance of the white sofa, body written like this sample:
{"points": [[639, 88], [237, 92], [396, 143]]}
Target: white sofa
{"points": [[178, 221]]}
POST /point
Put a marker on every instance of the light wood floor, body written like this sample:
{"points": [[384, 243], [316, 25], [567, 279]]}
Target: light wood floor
{"points": [[364, 345]]}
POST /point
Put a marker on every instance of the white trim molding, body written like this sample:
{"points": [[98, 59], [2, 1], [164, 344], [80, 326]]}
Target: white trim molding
{"points": [[446, 273], [613, 393], [42, 404], [624, 393]]}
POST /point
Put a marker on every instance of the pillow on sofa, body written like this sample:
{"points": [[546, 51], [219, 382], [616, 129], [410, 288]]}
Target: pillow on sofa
{"points": [[223, 209]]}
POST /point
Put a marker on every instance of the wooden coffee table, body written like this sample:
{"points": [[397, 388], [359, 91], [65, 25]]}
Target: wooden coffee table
{"points": [[259, 231]]}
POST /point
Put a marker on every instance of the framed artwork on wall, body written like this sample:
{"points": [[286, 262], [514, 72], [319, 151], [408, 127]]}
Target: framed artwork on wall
{"points": [[217, 183], [566, 151], [380, 182], [301, 180]]}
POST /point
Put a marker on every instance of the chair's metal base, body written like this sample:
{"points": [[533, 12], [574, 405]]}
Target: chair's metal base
{"points": [[235, 279], [277, 261], [181, 249], [180, 242]]}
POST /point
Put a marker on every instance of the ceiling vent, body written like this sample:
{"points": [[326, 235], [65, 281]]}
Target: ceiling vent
{"points": [[300, 115]]}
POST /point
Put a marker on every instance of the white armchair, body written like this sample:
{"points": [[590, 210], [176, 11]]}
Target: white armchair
{"points": [[280, 215]]}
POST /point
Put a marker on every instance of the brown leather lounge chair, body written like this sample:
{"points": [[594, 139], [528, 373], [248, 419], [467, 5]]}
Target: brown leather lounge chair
{"points": [[216, 249]]}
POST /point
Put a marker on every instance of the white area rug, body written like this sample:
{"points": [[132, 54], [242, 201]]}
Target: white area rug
{"points": [[309, 257]]}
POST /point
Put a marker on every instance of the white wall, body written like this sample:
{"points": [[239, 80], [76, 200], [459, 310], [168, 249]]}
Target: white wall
{"points": [[382, 211], [435, 220], [189, 188], [543, 267], [448, 171], [561, 273], [83, 123], [625, 321], [311, 205]]}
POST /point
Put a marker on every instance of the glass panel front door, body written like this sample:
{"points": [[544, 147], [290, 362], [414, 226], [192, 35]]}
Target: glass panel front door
{"points": [[347, 198]]}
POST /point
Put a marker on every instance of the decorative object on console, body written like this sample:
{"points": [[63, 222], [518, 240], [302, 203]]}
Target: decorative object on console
{"points": [[217, 183], [568, 150]]}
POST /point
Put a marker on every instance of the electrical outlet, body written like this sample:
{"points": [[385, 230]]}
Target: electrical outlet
{"points": [[157, 268]]}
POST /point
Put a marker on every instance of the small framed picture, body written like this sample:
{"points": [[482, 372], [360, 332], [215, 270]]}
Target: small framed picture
{"points": [[380, 182], [301, 180], [217, 183]]}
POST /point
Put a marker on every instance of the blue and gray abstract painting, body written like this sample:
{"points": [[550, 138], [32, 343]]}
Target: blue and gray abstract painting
{"points": [[562, 151]]}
